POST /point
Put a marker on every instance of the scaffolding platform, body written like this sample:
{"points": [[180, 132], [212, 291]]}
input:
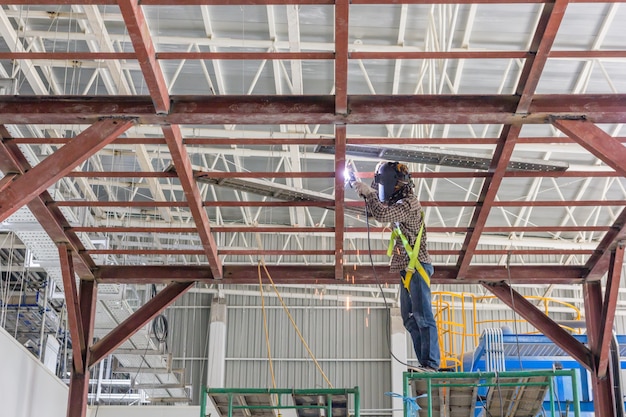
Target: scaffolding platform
{"points": [[248, 402], [492, 394], [319, 405], [243, 405]]}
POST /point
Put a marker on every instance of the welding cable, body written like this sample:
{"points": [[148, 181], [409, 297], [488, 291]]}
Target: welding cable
{"points": [[295, 326], [160, 328], [265, 328], [387, 307]]}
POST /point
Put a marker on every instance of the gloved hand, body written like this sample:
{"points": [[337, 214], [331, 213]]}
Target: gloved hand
{"points": [[363, 189]]}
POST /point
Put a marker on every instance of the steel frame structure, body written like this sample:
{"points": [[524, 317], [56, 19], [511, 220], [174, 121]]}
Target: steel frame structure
{"points": [[125, 118]]}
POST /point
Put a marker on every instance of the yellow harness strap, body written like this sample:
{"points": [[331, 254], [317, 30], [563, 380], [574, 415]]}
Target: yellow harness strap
{"points": [[414, 263]]}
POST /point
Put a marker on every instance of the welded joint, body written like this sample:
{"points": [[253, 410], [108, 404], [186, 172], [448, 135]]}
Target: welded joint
{"points": [[133, 119], [554, 117]]}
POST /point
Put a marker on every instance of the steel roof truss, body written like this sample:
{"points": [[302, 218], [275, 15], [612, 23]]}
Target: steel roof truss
{"points": [[47, 172], [139, 33], [181, 161]]}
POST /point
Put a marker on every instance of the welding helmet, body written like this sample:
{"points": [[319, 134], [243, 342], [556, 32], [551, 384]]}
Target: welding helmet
{"points": [[391, 178]]}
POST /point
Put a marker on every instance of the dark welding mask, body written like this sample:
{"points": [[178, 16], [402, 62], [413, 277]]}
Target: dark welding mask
{"points": [[391, 178]]}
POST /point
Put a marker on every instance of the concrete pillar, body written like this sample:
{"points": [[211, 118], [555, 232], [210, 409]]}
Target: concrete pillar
{"points": [[398, 349], [217, 344]]}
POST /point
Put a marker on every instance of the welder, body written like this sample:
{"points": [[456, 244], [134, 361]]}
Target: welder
{"points": [[392, 200]]}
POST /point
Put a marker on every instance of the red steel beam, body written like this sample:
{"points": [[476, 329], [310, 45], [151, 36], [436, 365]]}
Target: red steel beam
{"points": [[79, 379], [309, 141], [52, 220], [489, 190], [547, 27], [137, 320], [313, 230], [72, 306], [598, 264], [34, 182], [182, 163], [281, 2], [340, 166], [602, 145], [307, 56], [565, 203], [362, 109], [234, 174], [609, 305], [543, 323], [7, 180], [320, 252], [545, 33], [139, 34], [342, 23], [311, 274], [260, 56], [603, 397], [613, 153]]}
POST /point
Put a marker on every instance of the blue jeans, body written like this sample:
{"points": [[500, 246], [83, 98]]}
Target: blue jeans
{"points": [[419, 321]]}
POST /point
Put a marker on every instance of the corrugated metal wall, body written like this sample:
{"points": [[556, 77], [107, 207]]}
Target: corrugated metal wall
{"points": [[188, 338], [350, 346]]}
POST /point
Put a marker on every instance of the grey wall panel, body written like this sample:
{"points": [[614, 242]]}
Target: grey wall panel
{"points": [[350, 345], [188, 321]]}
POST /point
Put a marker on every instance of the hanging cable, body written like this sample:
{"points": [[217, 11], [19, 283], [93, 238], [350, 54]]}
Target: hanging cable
{"points": [[295, 326], [265, 328], [160, 326]]}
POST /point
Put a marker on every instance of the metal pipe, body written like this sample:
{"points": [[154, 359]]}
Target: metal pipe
{"points": [[43, 317]]}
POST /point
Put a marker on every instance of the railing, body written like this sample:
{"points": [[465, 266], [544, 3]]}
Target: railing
{"points": [[495, 380], [460, 328], [278, 402]]}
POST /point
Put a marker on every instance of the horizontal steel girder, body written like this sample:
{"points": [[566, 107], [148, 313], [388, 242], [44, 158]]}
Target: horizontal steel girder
{"points": [[312, 274], [362, 109]]}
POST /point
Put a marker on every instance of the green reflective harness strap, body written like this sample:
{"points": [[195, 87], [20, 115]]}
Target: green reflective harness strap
{"points": [[413, 252]]}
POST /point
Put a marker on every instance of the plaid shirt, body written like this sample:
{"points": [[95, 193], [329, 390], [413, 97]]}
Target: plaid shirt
{"points": [[408, 214]]}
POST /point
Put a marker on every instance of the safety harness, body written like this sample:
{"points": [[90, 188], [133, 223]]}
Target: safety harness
{"points": [[413, 252]]}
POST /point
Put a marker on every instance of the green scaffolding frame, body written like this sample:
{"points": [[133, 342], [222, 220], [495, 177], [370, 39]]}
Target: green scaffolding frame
{"points": [[279, 393], [490, 379]]}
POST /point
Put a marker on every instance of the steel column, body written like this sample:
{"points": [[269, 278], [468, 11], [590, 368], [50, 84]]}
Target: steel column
{"points": [[603, 394], [340, 166], [79, 380], [609, 305], [342, 12], [72, 306]]}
